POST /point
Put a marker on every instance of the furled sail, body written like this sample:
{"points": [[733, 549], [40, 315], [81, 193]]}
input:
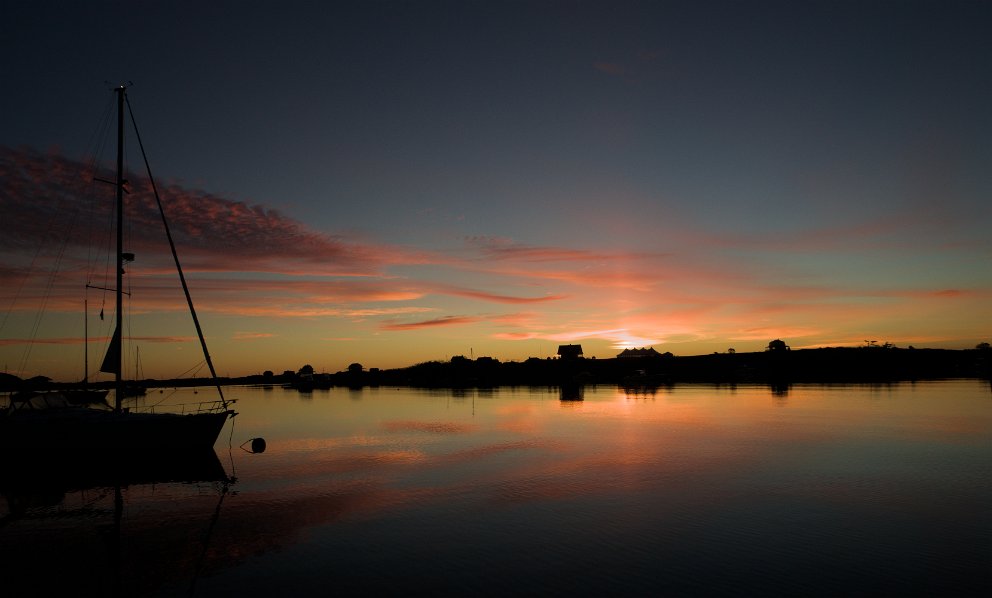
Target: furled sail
{"points": [[112, 360]]}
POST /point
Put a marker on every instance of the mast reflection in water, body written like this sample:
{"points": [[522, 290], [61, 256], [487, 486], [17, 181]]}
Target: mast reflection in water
{"points": [[97, 523], [810, 490]]}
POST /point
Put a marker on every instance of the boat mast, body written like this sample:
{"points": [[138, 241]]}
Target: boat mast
{"points": [[118, 381], [86, 344]]}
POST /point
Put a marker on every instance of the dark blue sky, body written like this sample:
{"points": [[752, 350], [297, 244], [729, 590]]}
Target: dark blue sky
{"points": [[791, 158]]}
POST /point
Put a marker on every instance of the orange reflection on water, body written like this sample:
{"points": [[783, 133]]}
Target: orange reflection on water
{"points": [[434, 427], [698, 447]]}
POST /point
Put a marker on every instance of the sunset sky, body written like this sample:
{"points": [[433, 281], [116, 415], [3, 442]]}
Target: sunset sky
{"points": [[397, 182]]}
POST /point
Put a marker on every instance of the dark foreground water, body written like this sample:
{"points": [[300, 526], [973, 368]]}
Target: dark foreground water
{"points": [[696, 490]]}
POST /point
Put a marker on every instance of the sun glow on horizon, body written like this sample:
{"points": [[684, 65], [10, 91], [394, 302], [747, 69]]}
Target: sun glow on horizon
{"points": [[441, 200], [627, 340]]}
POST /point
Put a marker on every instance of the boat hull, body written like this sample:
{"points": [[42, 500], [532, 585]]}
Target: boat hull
{"points": [[87, 429]]}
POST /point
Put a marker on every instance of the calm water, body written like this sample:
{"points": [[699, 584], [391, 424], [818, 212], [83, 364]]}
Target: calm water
{"points": [[693, 490]]}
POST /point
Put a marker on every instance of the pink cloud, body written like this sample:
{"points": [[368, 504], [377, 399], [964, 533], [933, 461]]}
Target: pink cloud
{"points": [[497, 248], [773, 332], [516, 336], [493, 297], [248, 260], [42, 207], [315, 297], [44, 341], [610, 68], [248, 336], [309, 311], [103, 339], [443, 321], [950, 293], [906, 231], [160, 339], [47, 196], [650, 55], [511, 319]]}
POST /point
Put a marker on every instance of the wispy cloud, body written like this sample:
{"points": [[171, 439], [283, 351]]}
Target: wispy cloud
{"points": [[516, 336], [504, 249], [610, 68], [522, 319], [102, 339], [160, 339], [688, 283], [436, 322], [249, 336], [48, 196], [43, 341], [304, 273], [632, 68], [309, 311], [493, 297]]}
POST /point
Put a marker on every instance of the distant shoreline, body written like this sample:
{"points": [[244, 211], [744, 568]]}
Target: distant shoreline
{"points": [[827, 365]]}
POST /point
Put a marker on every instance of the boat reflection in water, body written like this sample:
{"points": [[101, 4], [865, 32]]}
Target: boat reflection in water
{"points": [[110, 523]]}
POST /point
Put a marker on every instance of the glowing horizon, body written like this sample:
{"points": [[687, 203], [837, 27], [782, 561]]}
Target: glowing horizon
{"points": [[690, 177], [396, 306]]}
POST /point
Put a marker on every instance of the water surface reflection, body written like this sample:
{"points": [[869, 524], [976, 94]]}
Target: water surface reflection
{"points": [[684, 489]]}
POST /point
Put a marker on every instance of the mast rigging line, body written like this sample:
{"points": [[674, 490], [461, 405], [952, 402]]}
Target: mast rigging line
{"points": [[49, 282], [175, 255], [62, 206]]}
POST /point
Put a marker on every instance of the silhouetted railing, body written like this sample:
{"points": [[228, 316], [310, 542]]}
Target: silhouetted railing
{"points": [[183, 408]]}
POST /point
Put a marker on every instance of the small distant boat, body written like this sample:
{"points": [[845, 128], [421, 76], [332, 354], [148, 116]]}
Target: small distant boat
{"points": [[73, 419], [85, 396], [133, 389], [72, 396]]}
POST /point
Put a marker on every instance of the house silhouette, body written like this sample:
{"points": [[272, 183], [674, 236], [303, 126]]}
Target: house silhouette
{"points": [[569, 351], [638, 353]]}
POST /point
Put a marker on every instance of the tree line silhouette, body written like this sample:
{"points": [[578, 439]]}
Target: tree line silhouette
{"points": [[777, 364]]}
